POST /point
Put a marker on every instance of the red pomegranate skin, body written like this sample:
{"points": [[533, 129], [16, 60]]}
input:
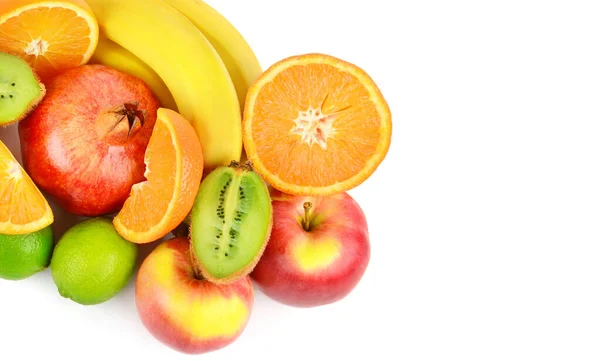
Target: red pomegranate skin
{"points": [[87, 172]]}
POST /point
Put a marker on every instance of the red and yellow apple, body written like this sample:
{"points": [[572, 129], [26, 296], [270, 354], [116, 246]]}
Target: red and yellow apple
{"points": [[85, 143], [318, 251], [188, 314]]}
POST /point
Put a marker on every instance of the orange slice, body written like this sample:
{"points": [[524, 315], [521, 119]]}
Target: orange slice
{"points": [[52, 36], [315, 125], [174, 166], [23, 208]]}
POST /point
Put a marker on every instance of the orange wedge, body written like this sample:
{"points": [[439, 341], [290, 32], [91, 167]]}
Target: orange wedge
{"points": [[52, 36], [315, 125], [174, 166], [23, 208]]}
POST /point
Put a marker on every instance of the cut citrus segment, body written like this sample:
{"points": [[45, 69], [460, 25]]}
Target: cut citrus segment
{"points": [[23, 208], [52, 36], [174, 167], [315, 125]]}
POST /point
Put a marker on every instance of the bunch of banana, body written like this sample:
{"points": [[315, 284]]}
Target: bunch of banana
{"points": [[194, 60]]}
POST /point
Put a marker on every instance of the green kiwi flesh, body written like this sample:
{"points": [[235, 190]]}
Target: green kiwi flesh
{"points": [[20, 89], [230, 223]]}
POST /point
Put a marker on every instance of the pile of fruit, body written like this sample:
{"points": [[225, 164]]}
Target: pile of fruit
{"points": [[153, 121]]}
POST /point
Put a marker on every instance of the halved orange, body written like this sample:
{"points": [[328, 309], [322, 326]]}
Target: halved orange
{"points": [[174, 167], [23, 208], [51, 35], [315, 125]]}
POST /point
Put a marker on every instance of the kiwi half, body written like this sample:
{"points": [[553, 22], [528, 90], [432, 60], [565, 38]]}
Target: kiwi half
{"points": [[20, 89], [230, 224]]}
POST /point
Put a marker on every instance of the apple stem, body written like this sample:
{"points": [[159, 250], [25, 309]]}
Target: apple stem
{"points": [[197, 272], [306, 221]]}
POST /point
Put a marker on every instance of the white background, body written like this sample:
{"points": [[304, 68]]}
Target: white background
{"points": [[484, 217]]}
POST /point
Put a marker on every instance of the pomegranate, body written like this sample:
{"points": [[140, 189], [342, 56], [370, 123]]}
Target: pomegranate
{"points": [[84, 144]]}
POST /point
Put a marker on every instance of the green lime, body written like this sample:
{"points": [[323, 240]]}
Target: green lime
{"points": [[23, 255], [92, 263]]}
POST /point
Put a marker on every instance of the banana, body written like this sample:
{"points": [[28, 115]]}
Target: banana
{"points": [[241, 62], [182, 56], [111, 54]]}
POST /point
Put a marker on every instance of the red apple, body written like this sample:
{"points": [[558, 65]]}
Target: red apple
{"points": [[85, 142], [318, 251], [189, 314]]}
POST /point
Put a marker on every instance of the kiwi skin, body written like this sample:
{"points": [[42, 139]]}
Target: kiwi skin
{"points": [[202, 272], [34, 102]]}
